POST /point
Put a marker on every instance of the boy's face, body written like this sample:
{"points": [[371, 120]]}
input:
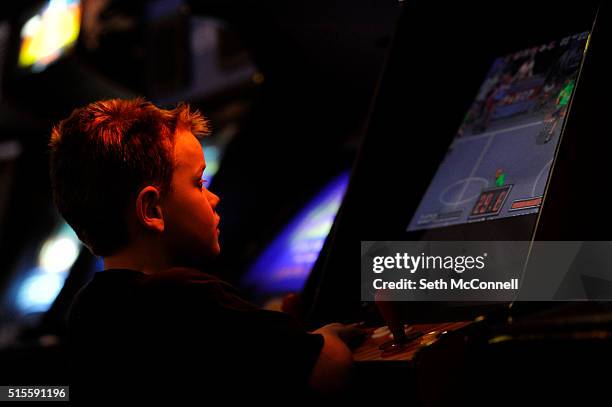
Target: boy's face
{"points": [[190, 221]]}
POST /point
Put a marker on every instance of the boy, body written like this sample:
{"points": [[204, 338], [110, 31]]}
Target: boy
{"points": [[127, 176]]}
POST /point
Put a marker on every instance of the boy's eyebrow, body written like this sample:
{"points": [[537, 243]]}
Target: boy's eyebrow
{"points": [[201, 168]]}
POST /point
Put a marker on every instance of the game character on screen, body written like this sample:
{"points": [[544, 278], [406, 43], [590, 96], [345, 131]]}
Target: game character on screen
{"points": [[552, 119], [495, 99], [127, 176]]}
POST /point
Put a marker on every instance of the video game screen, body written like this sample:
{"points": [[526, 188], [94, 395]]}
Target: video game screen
{"points": [[498, 163], [286, 263]]}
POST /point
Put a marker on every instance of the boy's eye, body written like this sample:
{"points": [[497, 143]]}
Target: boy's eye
{"points": [[201, 183]]}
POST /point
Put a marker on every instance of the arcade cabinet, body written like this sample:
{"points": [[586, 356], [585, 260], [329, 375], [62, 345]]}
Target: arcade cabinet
{"points": [[484, 128]]}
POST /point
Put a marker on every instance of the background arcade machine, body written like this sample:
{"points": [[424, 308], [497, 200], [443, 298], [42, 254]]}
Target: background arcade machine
{"points": [[284, 266], [531, 79]]}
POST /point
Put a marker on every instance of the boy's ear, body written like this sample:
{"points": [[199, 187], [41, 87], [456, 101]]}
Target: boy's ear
{"points": [[148, 209]]}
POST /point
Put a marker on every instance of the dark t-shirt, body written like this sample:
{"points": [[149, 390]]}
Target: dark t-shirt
{"points": [[182, 333]]}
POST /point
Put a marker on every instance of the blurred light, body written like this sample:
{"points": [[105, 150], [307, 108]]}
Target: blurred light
{"points": [[257, 78], [46, 35], [9, 150], [39, 290], [286, 264], [39, 284], [58, 254], [212, 157], [99, 264], [31, 27]]}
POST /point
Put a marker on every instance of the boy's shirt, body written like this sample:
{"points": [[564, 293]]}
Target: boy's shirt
{"points": [[182, 333]]}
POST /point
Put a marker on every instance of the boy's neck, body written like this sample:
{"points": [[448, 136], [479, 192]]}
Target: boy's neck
{"points": [[146, 261]]}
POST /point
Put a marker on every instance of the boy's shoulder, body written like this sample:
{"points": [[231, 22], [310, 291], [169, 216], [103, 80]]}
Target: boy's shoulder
{"points": [[184, 276], [192, 283]]}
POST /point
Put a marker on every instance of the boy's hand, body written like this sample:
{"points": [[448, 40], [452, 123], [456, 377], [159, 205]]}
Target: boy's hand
{"points": [[351, 335]]}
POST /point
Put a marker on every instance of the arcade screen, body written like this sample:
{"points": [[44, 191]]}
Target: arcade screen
{"points": [[286, 263], [498, 163]]}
